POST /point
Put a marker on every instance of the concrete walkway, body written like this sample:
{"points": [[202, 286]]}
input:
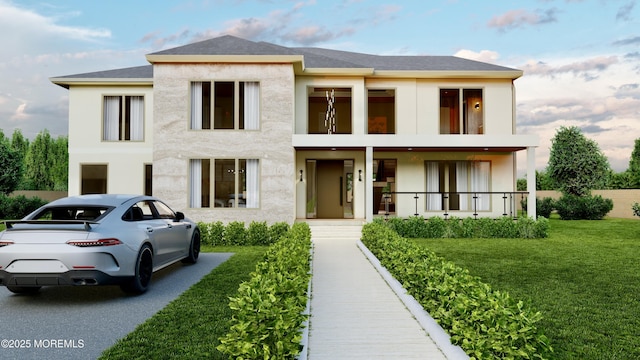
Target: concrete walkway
{"points": [[354, 312]]}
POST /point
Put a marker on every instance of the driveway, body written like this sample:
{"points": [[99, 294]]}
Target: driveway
{"points": [[81, 322]]}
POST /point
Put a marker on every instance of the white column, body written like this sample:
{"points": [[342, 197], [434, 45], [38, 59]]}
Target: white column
{"points": [[368, 184], [531, 181]]}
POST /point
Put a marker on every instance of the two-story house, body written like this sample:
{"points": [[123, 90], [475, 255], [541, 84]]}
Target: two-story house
{"points": [[230, 129]]}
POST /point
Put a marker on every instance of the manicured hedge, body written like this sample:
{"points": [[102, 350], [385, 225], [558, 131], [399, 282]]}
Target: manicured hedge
{"points": [[485, 323], [268, 309], [15, 208], [237, 233], [437, 227]]}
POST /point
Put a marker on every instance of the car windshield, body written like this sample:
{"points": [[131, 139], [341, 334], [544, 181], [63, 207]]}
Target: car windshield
{"points": [[87, 213]]}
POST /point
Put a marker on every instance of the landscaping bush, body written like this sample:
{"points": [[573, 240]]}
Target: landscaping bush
{"points": [[15, 208], [588, 207], [276, 230], [636, 209], [483, 322], [437, 227], [544, 207], [268, 309], [234, 233], [258, 233]]}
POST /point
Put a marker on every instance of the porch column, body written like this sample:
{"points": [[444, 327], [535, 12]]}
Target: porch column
{"points": [[368, 184], [531, 181]]}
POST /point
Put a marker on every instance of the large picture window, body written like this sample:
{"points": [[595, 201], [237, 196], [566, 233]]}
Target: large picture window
{"points": [[318, 105], [468, 121], [458, 185], [235, 183], [225, 105], [381, 111], [123, 118]]}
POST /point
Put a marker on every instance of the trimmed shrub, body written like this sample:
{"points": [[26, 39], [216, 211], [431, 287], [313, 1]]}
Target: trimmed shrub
{"points": [[277, 230], [437, 227], [636, 209], [485, 323], [216, 231], [258, 233], [234, 233], [588, 207], [268, 310]]}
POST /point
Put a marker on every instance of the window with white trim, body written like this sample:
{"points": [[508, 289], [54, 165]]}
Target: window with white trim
{"points": [[458, 185], [123, 118], [231, 105], [236, 183], [468, 121]]}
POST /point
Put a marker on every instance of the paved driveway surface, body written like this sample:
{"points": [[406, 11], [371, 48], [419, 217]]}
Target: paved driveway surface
{"points": [[81, 322]]}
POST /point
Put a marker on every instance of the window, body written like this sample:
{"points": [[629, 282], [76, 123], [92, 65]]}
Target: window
{"points": [[470, 120], [148, 179], [458, 185], [214, 104], [93, 179], [123, 118], [235, 183], [321, 119], [381, 111]]}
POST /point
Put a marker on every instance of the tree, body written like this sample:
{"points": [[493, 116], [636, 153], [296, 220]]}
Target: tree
{"points": [[59, 158], [38, 163], [576, 164], [10, 166], [634, 166], [20, 145]]}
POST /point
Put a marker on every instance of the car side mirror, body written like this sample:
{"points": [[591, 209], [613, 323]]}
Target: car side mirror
{"points": [[179, 216]]}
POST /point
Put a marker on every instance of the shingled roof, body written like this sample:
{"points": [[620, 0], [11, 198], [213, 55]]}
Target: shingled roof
{"points": [[318, 59]]}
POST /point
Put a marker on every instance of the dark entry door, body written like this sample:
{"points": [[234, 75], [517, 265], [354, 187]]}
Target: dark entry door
{"points": [[330, 183]]}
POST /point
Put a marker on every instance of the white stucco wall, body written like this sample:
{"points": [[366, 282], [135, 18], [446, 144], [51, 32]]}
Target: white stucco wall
{"points": [[125, 160]]}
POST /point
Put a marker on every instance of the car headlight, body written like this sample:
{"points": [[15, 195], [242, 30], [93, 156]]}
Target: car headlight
{"points": [[91, 243]]}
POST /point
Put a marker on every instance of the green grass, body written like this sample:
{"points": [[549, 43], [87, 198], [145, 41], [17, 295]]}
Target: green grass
{"points": [[584, 278], [190, 326]]}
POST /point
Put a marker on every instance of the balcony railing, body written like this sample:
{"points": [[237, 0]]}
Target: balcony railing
{"points": [[508, 200]]}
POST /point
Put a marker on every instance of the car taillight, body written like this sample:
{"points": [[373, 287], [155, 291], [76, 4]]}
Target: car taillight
{"points": [[5, 243], [90, 243]]}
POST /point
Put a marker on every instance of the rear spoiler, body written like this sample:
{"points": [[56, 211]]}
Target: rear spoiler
{"points": [[87, 224]]}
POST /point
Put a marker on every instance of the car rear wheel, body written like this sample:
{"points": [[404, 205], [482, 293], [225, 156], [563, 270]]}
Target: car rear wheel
{"points": [[23, 289], [144, 268], [194, 248]]}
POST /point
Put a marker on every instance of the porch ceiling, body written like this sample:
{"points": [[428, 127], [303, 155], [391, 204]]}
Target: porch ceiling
{"points": [[492, 149]]}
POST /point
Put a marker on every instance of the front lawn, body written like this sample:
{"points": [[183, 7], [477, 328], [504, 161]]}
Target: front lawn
{"points": [[584, 278], [190, 326]]}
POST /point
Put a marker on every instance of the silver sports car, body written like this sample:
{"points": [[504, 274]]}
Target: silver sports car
{"points": [[95, 240]]}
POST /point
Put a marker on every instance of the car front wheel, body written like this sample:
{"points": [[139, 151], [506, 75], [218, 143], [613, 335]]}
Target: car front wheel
{"points": [[194, 249], [143, 270]]}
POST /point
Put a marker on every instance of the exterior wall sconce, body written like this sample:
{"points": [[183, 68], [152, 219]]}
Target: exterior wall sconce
{"points": [[300, 175], [360, 175], [477, 106]]}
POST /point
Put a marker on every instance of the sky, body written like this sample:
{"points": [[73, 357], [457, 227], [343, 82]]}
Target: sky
{"points": [[581, 58]]}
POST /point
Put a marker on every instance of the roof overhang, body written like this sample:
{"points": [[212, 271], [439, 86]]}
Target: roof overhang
{"points": [[66, 82], [474, 143]]}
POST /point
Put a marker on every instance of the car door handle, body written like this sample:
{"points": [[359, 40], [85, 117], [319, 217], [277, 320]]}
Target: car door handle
{"points": [[149, 229], [169, 226]]}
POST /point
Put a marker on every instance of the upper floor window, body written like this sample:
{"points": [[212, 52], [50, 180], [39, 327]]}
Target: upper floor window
{"points": [[123, 118], [225, 105], [468, 121], [329, 111], [381, 111]]}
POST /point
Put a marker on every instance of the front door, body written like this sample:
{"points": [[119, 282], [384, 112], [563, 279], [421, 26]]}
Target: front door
{"points": [[330, 183]]}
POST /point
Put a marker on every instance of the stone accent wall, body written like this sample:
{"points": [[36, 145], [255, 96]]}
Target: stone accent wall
{"points": [[175, 144]]}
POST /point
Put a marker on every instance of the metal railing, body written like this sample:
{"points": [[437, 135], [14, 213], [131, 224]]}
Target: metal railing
{"points": [[510, 201]]}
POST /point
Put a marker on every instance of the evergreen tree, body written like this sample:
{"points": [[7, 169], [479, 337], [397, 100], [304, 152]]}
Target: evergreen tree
{"points": [[38, 163], [634, 166], [576, 164], [10, 166]]}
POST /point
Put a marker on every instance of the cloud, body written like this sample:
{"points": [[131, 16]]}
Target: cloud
{"points": [[484, 55], [628, 41], [624, 13], [520, 18], [588, 69]]}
